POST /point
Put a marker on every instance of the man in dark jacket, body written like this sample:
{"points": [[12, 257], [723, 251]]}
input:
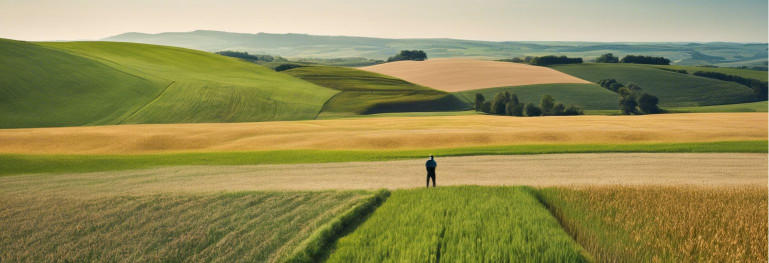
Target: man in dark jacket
{"points": [[431, 164]]}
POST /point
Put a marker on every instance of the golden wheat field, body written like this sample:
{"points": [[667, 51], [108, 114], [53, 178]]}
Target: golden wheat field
{"points": [[460, 74], [666, 223], [386, 133], [664, 169]]}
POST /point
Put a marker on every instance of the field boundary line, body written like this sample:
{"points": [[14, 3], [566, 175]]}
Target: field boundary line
{"points": [[556, 213], [148, 103], [325, 103], [316, 247]]}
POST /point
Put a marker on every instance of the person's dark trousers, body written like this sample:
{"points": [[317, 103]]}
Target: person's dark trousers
{"points": [[430, 174]]}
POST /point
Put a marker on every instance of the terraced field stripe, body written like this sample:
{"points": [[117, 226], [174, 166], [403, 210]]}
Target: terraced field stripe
{"points": [[460, 224], [26, 164]]}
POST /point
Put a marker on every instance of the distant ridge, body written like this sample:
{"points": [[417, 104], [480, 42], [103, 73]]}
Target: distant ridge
{"points": [[304, 45]]}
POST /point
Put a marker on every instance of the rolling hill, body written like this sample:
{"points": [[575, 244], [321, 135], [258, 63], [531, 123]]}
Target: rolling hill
{"points": [[456, 74], [364, 92], [673, 89], [303, 45], [90, 83]]}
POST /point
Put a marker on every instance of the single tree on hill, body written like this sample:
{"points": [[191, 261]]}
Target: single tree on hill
{"points": [[648, 103], [546, 104], [607, 58]]}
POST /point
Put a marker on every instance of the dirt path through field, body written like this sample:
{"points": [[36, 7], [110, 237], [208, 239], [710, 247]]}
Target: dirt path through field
{"points": [[702, 169]]}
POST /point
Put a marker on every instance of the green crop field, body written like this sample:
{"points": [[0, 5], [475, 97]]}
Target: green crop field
{"points": [[665, 223], [89, 83], [745, 73], [587, 96], [42, 86], [460, 224], [11, 164], [673, 89], [72, 225], [364, 92]]}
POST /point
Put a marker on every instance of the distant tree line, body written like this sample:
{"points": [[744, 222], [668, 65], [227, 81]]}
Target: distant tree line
{"points": [[417, 55], [246, 56], [645, 60], [505, 103], [759, 87], [544, 60], [553, 60], [631, 99]]}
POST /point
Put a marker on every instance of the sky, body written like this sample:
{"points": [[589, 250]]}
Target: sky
{"points": [[495, 20]]}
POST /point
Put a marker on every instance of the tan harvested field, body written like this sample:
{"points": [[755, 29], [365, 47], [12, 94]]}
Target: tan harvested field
{"points": [[386, 133], [460, 74], [697, 169]]}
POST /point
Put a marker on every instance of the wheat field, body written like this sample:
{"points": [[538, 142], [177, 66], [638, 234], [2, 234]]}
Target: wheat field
{"points": [[386, 133], [460, 74]]}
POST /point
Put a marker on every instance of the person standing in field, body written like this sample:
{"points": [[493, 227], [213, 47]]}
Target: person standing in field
{"points": [[431, 164]]}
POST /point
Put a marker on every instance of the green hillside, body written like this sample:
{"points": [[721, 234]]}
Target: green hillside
{"points": [[745, 73], [673, 89], [364, 92], [42, 86], [587, 96], [206, 87]]}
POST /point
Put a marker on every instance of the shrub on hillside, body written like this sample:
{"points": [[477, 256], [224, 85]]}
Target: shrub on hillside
{"points": [[417, 55], [645, 60], [573, 110], [553, 60], [479, 99], [627, 101], [546, 104], [607, 58], [532, 110], [647, 103], [499, 102], [486, 107]]}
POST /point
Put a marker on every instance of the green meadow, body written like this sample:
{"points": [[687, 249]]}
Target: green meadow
{"points": [[25, 164], [673, 89]]}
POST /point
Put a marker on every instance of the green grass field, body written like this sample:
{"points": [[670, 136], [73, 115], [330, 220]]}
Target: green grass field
{"points": [[364, 92], [460, 224], [745, 73], [27, 164], [90, 83], [70, 225], [587, 96], [673, 89], [665, 224]]}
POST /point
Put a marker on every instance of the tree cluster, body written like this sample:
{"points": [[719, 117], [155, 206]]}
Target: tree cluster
{"points": [[246, 56], [505, 103], [631, 99], [553, 60], [645, 60], [759, 87], [287, 66], [607, 58], [417, 55]]}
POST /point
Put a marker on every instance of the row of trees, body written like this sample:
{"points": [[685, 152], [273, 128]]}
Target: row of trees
{"points": [[610, 58], [759, 87], [631, 99], [553, 60], [246, 56], [645, 60], [417, 55], [505, 103]]}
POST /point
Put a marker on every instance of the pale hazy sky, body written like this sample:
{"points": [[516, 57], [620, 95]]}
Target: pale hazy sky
{"points": [[515, 20]]}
